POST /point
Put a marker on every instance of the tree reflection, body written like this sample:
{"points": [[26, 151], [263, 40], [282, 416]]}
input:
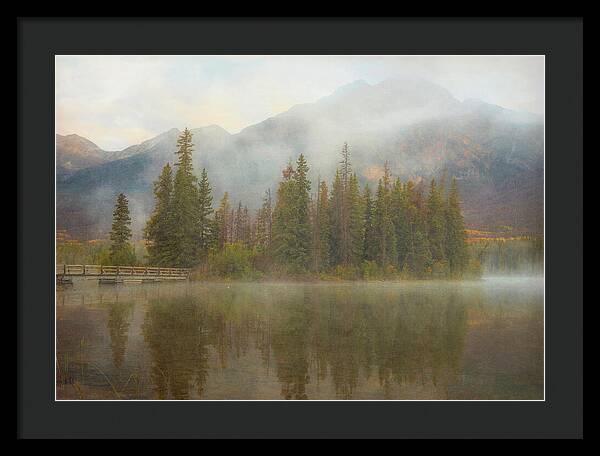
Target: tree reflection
{"points": [[174, 331], [290, 342], [337, 334], [119, 318], [344, 333]]}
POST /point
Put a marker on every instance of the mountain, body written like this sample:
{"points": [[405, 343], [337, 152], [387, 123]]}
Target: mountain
{"points": [[74, 153], [417, 126]]}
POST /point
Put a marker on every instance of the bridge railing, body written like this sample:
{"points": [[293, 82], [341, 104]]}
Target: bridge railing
{"points": [[99, 270]]}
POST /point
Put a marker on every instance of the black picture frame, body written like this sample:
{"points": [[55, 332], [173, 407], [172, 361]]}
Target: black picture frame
{"points": [[559, 416]]}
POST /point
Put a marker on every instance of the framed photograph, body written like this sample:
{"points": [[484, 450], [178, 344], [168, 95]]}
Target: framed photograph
{"points": [[223, 234]]}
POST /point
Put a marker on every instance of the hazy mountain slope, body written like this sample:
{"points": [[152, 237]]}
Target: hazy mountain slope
{"points": [[417, 126], [74, 152]]}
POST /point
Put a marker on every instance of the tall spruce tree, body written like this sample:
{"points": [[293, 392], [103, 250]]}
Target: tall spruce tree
{"points": [[264, 221], [223, 222], [419, 260], [436, 223], [321, 228], [302, 194], [159, 228], [456, 244], [336, 208], [355, 222], [283, 218], [384, 225], [238, 223], [185, 205], [370, 236], [205, 224], [400, 205], [291, 218], [121, 251]]}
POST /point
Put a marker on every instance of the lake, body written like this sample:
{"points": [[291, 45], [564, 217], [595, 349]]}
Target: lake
{"points": [[416, 340]]}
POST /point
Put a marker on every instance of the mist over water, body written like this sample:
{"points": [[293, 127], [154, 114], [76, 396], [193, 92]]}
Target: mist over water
{"points": [[386, 340]]}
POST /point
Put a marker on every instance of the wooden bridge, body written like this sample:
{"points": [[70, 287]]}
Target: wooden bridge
{"points": [[119, 274]]}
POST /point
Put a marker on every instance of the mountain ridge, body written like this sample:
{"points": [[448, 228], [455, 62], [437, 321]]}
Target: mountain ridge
{"points": [[488, 148]]}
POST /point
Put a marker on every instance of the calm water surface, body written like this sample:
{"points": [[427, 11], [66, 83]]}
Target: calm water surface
{"points": [[410, 340]]}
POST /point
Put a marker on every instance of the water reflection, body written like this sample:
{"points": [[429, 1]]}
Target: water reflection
{"points": [[343, 333], [319, 341], [175, 333], [119, 317]]}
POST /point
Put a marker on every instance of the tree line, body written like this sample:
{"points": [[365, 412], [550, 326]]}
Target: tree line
{"points": [[400, 228]]}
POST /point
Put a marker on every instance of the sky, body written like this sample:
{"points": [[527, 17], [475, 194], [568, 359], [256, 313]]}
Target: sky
{"points": [[118, 101]]}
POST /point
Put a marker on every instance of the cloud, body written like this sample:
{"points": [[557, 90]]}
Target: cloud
{"points": [[117, 101]]}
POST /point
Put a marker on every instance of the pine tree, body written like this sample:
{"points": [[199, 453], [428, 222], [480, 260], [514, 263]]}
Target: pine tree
{"points": [[185, 205], [283, 219], [121, 251], [384, 225], [268, 214], [456, 244], [264, 222], [205, 224], [344, 209], [222, 222], [355, 222], [291, 218], [302, 194], [246, 238], [436, 223], [239, 224], [370, 236], [321, 229], [159, 228], [419, 259], [336, 207], [419, 255], [400, 204]]}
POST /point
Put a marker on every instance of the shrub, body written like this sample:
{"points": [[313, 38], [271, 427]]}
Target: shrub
{"points": [[347, 272], [233, 261], [474, 269], [440, 269], [370, 270]]}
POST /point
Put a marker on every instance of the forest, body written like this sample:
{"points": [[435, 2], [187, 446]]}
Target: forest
{"points": [[337, 230]]}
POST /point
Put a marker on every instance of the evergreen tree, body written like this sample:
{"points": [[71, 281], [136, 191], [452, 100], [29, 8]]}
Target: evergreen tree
{"points": [[321, 229], [268, 214], [400, 204], [436, 223], [185, 205], [121, 251], [223, 223], [347, 215], [291, 221], [205, 209], [419, 255], [456, 244], [355, 222], [370, 236], [159, 228], [336, 207], [246, 237], [384, 224], [302, 194], [264, 222], [239, 224], [283, 217]]}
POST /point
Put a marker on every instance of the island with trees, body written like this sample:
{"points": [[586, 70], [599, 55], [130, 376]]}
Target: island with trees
{"points": [[398, 230]]}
